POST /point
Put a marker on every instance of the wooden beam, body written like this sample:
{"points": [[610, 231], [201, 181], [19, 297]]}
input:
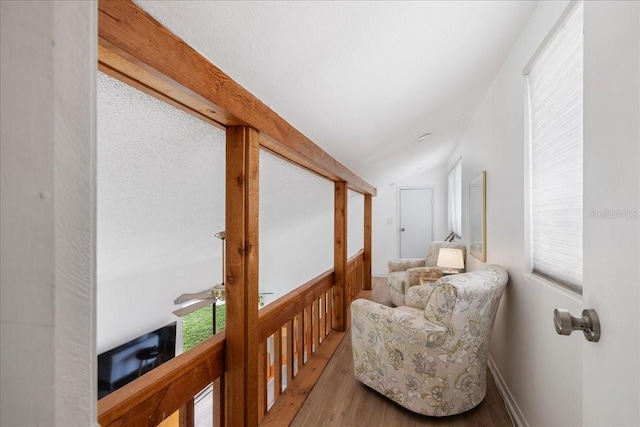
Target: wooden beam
{"points": [[242, 276], [340, 257], [136, 45], [366, 257]]}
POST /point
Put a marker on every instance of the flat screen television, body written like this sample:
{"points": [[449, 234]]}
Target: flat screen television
{"points": [[125, 363]]}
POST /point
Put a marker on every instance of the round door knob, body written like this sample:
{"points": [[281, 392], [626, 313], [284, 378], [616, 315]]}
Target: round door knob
{"points": [[589, 323]]}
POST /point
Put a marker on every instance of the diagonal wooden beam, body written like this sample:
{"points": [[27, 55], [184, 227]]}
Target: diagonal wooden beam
{"points": [[135, 46]]}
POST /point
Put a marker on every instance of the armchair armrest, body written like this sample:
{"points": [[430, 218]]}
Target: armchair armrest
{"points": [[405, 264]]}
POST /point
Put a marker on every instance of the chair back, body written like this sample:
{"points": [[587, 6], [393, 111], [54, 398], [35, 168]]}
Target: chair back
{"points": [[467, 304]]}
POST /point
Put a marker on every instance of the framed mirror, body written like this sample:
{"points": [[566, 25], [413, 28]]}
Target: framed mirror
{"points": [[477, 217]]}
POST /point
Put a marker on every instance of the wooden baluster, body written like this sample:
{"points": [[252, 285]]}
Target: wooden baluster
{"points": [[186, 415], [277, 364], [290, 351], [361, 277], [300, 340], [218, 402], [329, 310], [262, 380], [323, 313], [308, 339], [316, 324]]}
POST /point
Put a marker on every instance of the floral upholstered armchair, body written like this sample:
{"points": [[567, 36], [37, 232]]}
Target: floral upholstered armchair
{"points": [[431, 360], [404, 273]]}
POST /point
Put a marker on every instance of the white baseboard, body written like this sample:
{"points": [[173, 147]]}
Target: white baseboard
{"points": [[512, 406]]}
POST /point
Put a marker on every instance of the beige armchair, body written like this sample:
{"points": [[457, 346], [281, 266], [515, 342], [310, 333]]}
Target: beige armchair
{"points": [[431, 360], [404, 273]]}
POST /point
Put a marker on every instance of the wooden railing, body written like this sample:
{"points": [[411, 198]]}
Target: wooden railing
{"points": [[355, 275], [291, 330], [150, 399]]}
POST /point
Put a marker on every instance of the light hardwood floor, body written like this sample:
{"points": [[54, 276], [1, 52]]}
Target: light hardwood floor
{"points": [[338, 399]]}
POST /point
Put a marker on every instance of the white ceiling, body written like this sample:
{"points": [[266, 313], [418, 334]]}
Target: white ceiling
{"points": [[361, 79]]}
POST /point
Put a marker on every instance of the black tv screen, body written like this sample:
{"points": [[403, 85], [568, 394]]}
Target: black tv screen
{"points": [[125, 363]]}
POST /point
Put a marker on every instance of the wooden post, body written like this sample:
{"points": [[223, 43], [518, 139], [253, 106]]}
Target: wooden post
{"points": [[366, 257], [340, 299], [241, 399]]}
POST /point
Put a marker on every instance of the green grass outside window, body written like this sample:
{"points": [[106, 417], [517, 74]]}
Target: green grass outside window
{"points": [[197, 326]]}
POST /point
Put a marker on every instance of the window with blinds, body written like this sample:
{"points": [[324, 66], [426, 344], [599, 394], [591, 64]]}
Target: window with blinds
{"points": [[455, 199], [555, 95]]}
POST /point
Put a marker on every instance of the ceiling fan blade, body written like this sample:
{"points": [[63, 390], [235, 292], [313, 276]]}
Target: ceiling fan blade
{"points": [[187, 297], [192, 307]]}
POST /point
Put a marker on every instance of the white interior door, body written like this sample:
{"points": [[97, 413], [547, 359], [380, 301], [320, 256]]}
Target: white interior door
{"points": [[416, 221], [611, 367]]}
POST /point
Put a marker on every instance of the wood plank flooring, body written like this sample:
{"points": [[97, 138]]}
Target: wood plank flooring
{"points": [[338, 399]]}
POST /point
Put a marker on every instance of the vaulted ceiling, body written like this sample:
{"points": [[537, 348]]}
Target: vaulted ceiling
{"points": [[363, 80]]}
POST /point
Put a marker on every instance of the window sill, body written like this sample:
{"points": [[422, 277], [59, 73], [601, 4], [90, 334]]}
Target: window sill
{"points": [[538, 280]]}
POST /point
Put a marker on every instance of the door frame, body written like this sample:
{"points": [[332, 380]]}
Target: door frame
{"points": [[411, 187]]}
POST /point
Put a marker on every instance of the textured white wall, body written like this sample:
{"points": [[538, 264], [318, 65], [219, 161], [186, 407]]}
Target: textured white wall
{"points": [[544, 372], [385, 215], [161, 199], [160, 202], [47, 213]]}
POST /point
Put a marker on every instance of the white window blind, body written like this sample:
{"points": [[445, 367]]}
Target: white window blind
{"points": [[555, 85], [455, 199]]}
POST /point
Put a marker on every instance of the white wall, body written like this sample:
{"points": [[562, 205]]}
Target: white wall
{"points": [[543, 371], [385, 215], [296, 226], [528, 354], [355, 223], [47, 213]]}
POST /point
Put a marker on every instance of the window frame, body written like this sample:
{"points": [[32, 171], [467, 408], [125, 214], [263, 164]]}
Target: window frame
{"points": [[575, 292]]}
